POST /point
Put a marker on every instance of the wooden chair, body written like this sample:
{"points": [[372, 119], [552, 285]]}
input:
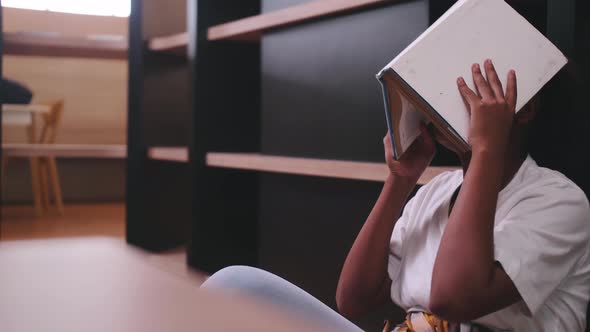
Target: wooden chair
{"points": [[47, 167], [44, 172]]}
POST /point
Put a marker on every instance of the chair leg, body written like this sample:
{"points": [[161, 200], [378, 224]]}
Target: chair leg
{"points": [[43, 174], [54, 178], [35, 181]]}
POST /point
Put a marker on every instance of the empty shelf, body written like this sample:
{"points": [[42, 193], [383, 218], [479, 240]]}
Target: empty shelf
{"points": [[251, 28], [57, 45], [176, 44], [353, 170], [179, 154]]}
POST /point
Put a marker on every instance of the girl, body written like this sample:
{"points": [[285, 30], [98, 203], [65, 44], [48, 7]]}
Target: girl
{"points": [[501, 245]]}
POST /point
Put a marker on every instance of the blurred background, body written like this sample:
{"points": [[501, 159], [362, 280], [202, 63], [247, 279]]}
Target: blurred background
{"points": [[40, 55], [218, 132]]}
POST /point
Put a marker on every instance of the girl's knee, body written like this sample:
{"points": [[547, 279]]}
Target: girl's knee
{"points": [[236, 277]]}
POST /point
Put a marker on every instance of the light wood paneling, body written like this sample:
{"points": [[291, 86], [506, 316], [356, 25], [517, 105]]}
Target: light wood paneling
{"points": [[16, 19], [353, 170], [65, 151], [251, 28], [57, 45], [94, 90]]}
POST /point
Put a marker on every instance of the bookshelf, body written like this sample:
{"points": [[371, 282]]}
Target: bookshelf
{"points": [[158, 188]]}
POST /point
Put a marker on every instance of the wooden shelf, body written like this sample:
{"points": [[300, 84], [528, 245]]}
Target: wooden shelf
{"points": [[353, 170], [251, 28], [65, 151], [179, 154], [57, 45], [176, 44]]}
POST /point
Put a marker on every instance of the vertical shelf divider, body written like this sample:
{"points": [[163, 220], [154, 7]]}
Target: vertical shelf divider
{"points": [[226, 117]]}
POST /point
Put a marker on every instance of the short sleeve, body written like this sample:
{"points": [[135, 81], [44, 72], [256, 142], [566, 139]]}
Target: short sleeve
{"points": [[440, 185], [397, 240], [541, 239]]}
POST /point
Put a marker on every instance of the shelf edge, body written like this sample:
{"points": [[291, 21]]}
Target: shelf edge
{"points": [[352, 170]]}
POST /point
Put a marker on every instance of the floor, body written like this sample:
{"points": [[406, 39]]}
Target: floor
{"points": [[85, 220], [20, 223]]}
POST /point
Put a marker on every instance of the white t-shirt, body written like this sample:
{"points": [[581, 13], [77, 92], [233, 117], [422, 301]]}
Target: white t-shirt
{"points": [[541, 238]]}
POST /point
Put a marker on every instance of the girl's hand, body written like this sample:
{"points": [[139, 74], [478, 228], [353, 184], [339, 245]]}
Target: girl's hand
{"points": [[415, 159], [492, 110]]}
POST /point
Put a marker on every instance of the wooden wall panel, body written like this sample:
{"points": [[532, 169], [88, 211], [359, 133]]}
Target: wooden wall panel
{"points": [[95, 94], [95, 91]]}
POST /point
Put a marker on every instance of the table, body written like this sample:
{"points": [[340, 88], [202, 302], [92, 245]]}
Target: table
{"points": [[102, 284], [22, 115]]}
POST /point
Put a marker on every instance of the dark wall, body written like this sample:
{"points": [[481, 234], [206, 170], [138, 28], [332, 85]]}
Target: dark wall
{"points": [[320, 99], [320, 95]]}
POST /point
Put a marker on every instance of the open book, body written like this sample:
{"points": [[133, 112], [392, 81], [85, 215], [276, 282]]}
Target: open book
{"points": [[419, 85]]}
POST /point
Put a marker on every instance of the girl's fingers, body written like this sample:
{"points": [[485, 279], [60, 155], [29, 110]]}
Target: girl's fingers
{"points": [[481, 84], [468, 95], [493, 80], [511, 91]]}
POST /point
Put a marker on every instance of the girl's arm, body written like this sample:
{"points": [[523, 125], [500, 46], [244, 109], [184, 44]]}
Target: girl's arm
{"points": [[364, 282], [467, 282]]}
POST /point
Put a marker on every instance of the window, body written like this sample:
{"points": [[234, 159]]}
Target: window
{"points": [[89, 7]]}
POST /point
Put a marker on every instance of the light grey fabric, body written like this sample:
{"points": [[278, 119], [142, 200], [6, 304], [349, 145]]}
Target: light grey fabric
{"points": [[277, 291]]}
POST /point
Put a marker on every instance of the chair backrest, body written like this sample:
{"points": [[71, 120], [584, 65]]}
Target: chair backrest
{"points": [[51, 121]]}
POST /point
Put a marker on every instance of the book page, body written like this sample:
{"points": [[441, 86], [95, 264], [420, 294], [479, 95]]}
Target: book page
{"points": [[409, 123]]}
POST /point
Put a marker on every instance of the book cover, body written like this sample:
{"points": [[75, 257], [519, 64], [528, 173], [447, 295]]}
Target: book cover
{"points": [[420, 83]]}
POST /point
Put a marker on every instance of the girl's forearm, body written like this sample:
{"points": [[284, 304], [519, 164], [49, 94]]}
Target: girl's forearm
{"points": [[464, 267], [364, 274]]}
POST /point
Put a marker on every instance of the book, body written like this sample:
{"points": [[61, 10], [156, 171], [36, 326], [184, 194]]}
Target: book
{"points": [[419, 84]]}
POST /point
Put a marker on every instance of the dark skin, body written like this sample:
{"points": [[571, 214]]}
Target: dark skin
{"points": [[475, 285]]}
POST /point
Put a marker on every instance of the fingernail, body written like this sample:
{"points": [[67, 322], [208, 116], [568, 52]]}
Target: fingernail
{"points": [[460, 80], [512, 72], [476, 67], [489, 62]]}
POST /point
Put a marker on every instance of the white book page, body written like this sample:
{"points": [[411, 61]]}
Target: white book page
{"points": [[472, 32], [409, 124]]}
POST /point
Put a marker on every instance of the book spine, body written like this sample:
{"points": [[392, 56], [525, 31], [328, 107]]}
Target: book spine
{"points": [[387, 114]]}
